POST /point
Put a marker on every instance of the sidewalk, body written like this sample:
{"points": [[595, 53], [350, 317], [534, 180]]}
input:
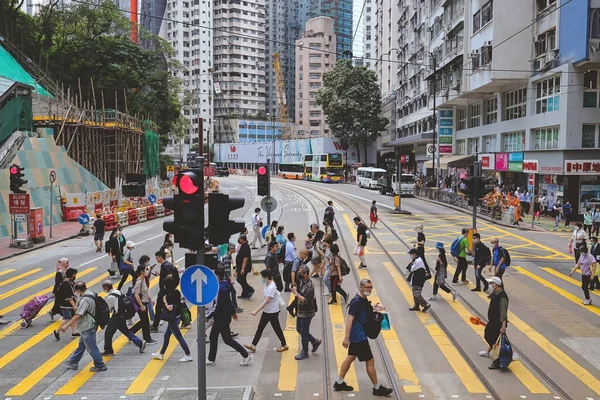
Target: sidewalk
{"points": [[220, 393], [60, 232]]}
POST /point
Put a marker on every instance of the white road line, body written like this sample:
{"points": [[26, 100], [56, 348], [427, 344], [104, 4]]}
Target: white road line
{"points": [[106, 255], [159, 394]]}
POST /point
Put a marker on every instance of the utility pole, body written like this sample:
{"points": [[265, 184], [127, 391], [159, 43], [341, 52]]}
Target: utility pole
{"points": [[437, 151], [476, 183]]}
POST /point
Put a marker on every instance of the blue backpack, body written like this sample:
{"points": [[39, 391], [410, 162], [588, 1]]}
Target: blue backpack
{"points": [[455, 247]]}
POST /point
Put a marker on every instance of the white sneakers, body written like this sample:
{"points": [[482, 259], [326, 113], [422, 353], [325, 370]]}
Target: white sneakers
{"points": [[157, 356], [432, 298], [186, 359], [210, 363], [246, 361], [484, 353], [587, 302]]}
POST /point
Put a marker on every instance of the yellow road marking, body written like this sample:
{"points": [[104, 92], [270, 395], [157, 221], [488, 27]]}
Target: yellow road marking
{"points": [[338, 334], [567, 278], [26, 286], [456, 361], [568, 295], [84, 375], [150, 372], [23, 275], [17, 325], [288, 369], [6, 271], [36, 376], [549, 348]]}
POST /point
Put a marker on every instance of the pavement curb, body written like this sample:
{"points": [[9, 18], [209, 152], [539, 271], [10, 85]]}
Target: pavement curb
{"points": [[39, 246]]}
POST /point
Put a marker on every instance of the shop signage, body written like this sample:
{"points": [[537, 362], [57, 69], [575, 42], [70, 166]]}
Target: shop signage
{"points": [[580, 167], [445, 129], [530, 166], [515, 166], [515, 157], [487, 161], [501, 162]]}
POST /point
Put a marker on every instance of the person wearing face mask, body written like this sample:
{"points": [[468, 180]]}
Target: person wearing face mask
{"points": [[595, 252], [596, 221], [86, 324], [483, 257], [417, 277], [61, 269], [441, 268], [587, 264], [497, 317], [305, 295], [301, 260], [114, 251], [65, 296], [127, 265], [270, 309], [243, 264], [357, 343]]}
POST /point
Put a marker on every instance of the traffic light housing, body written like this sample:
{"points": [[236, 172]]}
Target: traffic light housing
{"points": [[187, 225], [16, 178], [220, 227], [262, 174]]}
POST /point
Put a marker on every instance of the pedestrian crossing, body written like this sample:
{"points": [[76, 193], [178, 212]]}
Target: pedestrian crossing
{"points": [[406, 367]]}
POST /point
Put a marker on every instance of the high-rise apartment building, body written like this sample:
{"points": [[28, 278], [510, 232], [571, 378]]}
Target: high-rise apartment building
{"points": [[341, 11], [370, 49], [239, 47], [358, 27], [314, 57]]}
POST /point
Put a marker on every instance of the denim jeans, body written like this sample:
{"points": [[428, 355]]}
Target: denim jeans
{"points": [[303, 328], [125, 271], [117, 323], [173, 328], [326, 280], [87, 341], [479, 279]]}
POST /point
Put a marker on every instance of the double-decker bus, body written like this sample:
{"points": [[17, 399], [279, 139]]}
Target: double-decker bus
{"points": [[291, 170], [324, 167]]}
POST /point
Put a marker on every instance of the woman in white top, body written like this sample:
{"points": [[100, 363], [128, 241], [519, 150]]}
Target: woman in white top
{"points": [[577, 240], [270, 309]]}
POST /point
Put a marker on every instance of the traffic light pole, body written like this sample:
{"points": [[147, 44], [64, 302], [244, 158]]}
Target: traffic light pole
{"points": [[477, 182], [269, 191], [201, 316]]}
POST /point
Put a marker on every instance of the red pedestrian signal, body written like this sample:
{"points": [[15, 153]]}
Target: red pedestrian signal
{"points": [[16, 178], [262, 170], [189, 182], [262, 174]]}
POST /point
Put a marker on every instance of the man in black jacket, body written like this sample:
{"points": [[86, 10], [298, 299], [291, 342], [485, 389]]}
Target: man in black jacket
{"points": [[305, 295], [483, 257], [166, 270], [222, 315]]}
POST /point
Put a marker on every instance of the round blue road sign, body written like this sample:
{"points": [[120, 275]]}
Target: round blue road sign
{"points": [[264, 231], [152, 199], [83, 219], [199, 285]]}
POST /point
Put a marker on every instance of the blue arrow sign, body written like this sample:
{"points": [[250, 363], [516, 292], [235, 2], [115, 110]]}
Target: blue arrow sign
{"points": [[264, 231], [152, 199], [199, 285], [83, 219]]}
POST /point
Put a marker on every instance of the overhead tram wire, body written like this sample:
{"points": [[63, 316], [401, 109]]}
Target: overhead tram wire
{"points": [[358, 23], [289, 44]]}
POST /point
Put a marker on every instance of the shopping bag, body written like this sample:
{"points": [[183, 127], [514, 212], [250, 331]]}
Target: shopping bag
{"points": [[114, 267], [186, 315], [385, 323], [358, 251], [506, 351], [495, 353], [280, 301]]}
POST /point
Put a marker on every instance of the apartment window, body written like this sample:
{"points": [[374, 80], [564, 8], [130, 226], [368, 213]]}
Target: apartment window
{"points": [[545, 138], [461, 146], [473, 145], [548, 95], [475, 118], [462, 119], [491, 111], [513, 141], [588, 136], [543, 4], [476, 21], [515, 104], [486, 55], [590, 89], [483, 16], [488, 144], [545, 42]]}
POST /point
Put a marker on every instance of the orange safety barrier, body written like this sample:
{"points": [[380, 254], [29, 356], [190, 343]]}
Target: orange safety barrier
{"points": [[151, 212], [111, 221], [133, 216], [168, 212], [72, 213]]}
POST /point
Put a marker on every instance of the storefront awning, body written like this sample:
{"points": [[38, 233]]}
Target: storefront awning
{"points": [[452, 161]]}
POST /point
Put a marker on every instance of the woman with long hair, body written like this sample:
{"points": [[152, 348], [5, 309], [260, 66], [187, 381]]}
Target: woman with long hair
{"points": [[62, 265], [318, 254], [441, 273], [335, 275], [142, 298], [280, 238]]}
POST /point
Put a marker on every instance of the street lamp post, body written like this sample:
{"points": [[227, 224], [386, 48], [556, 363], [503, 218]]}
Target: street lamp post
{"points": [[435, 141]]}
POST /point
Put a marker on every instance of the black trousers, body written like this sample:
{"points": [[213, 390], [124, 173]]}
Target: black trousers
{"points": [[585, 285], [265, 319], [278, 282], [594, 283], [223, 328], [443, 286], [246, 288], [287, 274], [158, 309], [461, 269]]}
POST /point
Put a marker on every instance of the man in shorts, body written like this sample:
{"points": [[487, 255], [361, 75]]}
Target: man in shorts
{"points": [[357, 343], [99, 225]]}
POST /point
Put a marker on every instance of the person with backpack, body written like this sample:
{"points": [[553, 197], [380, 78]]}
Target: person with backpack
{"points": [[307, 308], [335, 275], [459, 250], [167, 270], [417, 277], [141, 294], [171, 313], [500, 258], [65, 297], [301, 260], [441, 273], [483, 257], [88, 317], [357, 342], [329, 212], [282, 242], [121, 309], [226, 263], [361, 241]]}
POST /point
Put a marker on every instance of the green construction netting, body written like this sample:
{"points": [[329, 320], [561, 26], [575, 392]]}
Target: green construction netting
{"points": [[16, 115], [11, 69], [151, 152]]}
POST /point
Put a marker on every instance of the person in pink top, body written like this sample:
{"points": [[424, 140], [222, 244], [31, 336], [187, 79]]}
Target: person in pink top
{"points": [[587, 264]]}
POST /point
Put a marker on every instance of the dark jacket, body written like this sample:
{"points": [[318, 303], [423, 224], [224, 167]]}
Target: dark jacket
{"points": [[483, 255], [595, 251], [307, 308], [496, 311], [224, 309], [272, 263], [417, 277]]}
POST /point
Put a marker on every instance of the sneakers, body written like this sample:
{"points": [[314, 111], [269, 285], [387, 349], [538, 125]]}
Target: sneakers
{"points": [[456, 283], [210, 363], [239, 310], [432, 298], [56, 335], [283, 348], [157, 356], [484, 353], [250, 347], [454, 294], [153, 330], [361, 266], [185, 359], [587, 302], [417, 308], [342, 387], [99, 369], [151, 341], [382, 391], [143, 346], [316, 345], [326, 294], [246, 361], [234, 334], [427, 307], [301, 356], [332, 302], [476, 289], [71, 365], [108, 353]]}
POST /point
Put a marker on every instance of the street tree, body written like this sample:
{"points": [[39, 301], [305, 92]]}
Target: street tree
{"points": [[351, 100]]}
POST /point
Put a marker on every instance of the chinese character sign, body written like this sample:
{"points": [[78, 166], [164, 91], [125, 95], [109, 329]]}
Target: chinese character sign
{"points": [[581, 167], [445, 131]]}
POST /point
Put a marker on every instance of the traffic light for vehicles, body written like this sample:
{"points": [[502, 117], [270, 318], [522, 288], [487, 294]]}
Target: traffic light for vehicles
{"points": [[262, 174], [188, 209], [16, 179], [220, 227]]}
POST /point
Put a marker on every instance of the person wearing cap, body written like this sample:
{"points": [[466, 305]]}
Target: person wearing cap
{"points": [[483, 257], [127, 265], [417, 277], [441, 273], [497, 317]]}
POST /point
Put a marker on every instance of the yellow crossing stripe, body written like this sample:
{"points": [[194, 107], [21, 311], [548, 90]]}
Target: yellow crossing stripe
{"points": [[567, 278], [16, 278], [84, 374], [6, 272], [338, 324], [143, 381], [288, 369], [456, 361], [36, 376], [26, 286]]}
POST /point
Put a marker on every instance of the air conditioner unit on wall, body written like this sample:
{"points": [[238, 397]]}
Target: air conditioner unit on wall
{"points": [[487, 43]]}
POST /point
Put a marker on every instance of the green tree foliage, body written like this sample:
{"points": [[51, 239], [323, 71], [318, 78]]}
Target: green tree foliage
{"points": [[351, 100], [80, 43]]}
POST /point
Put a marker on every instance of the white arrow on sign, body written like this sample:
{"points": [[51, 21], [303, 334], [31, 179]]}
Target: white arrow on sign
{"points": [[199, 278]]}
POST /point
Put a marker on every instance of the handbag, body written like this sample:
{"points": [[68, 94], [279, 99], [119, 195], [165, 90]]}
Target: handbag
{"points": [[358, 251], [166, 315], [505, 351], [495, 353], [280, 301]]}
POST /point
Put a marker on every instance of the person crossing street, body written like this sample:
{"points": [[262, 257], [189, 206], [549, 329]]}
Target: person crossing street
{"points": [[482, 258], [305, 295], [461, 264], [257, 224]]}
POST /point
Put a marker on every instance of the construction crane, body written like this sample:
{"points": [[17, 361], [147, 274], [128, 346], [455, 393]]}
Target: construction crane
{"points": [[282, 108]]}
